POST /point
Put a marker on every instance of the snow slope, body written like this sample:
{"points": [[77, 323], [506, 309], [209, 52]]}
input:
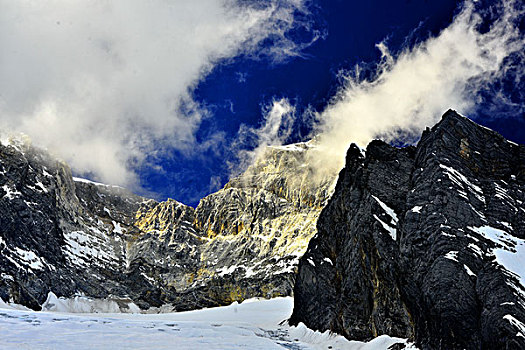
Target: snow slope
{"points": [[254, 324]]}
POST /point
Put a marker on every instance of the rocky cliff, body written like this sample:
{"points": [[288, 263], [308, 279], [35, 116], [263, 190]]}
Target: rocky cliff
{"points": [[423, 242], [61, 235], [74, 237]]}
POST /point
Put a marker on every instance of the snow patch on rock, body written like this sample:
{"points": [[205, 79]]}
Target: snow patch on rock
{"points": [[509, 252], [452, 255]]}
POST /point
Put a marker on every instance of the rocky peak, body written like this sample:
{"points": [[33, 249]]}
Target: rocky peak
{"points": [[286, 172], [422, 243], [258, 226]]}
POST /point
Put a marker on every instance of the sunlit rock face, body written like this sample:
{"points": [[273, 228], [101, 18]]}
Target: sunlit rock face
{"points": [[240, 242], [74, 237], [257, 227], [423, 242]]}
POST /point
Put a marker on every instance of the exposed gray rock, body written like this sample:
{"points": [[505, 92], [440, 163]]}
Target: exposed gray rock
{"points": [[422, 243], [57, 234], [417, 242], [261, 222], [243, 241], [72, 236]]}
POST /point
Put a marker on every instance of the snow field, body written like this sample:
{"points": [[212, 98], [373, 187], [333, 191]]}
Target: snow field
{"points": [[254, 324]]}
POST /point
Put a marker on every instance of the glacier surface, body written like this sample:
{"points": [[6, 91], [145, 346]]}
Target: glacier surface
{"points": [[254, 324]]}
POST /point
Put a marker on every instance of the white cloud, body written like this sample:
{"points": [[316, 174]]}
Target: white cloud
{"points": [[104, 84], [415, 88], [278, 119], [275, 128]]}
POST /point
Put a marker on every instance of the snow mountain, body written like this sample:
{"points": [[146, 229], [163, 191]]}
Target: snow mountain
{"points": [[73, 237], [424, 243]]}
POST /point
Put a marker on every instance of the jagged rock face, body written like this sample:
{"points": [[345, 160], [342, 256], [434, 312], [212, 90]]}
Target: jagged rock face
{"points": [[424, 242], [20, 251], [61, 235], [71, 236], [261, 222], [31, 222], [244, 240], [352, 278]]}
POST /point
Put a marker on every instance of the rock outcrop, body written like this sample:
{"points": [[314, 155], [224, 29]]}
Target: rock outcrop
{"points": [[425, 242], [74, 237], [60, 235]]}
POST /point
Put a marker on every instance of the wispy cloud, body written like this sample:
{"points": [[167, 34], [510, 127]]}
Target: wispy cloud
{"points": [[414, 88], [275, 128], [106, 84]]}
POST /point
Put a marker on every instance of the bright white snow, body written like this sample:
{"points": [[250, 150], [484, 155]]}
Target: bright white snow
{"points": [[460, 180], [417, 209], [452, 255], [477, 250], [79, 179], [30, 258], [388, 210], [391, 228], [11, 193], [516, 323], [510, 252], [392, 231], [294, 147], [41, 186], [116, 227], [81, 248], [81, 304], [469, 271], [254, 324], [328, 261]]}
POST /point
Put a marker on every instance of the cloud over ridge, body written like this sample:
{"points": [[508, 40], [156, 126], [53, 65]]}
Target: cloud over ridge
{"points": [[106, 84], [413, 89]]}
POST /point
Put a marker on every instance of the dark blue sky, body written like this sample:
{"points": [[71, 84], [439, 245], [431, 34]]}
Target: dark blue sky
{"points": [[168, 98], [236, 91]]}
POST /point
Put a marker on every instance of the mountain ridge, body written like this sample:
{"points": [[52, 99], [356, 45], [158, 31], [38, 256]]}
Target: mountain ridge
{"points": [[421, 242], [240, 242], [416, 242]]}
